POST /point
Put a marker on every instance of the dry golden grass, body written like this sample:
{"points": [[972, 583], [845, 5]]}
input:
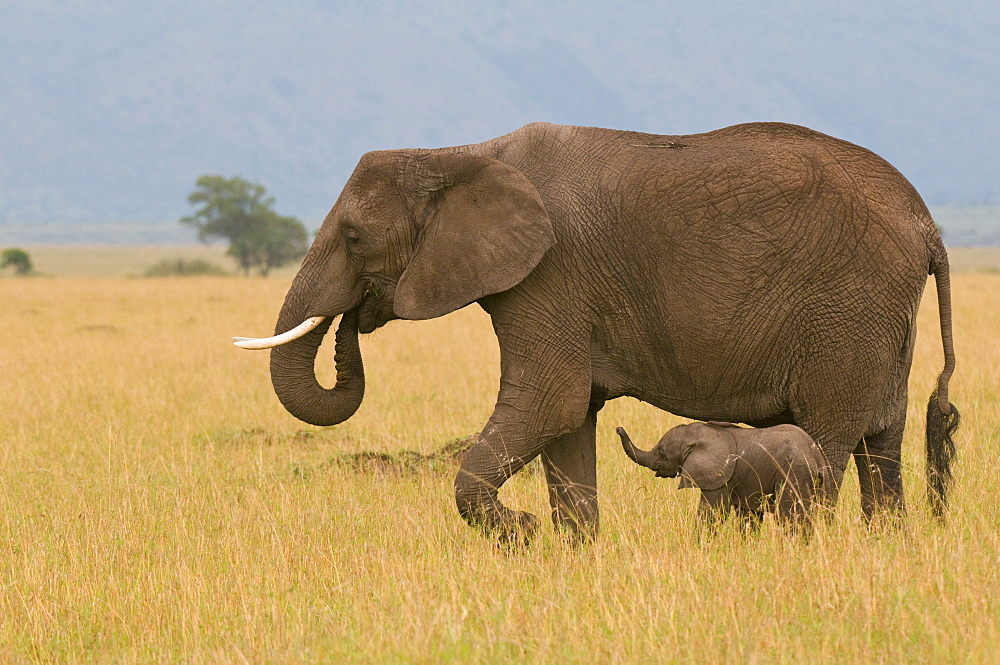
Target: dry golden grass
{"points": [[158, 505]]}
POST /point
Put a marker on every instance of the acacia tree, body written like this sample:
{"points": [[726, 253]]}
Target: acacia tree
{"points": [[18, 259], [239, 211]]}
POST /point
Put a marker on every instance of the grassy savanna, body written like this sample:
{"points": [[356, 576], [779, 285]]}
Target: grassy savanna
{"points": [[158, 504]]}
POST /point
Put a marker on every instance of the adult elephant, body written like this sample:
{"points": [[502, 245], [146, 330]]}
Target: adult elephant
{"points": [[762, 273]]}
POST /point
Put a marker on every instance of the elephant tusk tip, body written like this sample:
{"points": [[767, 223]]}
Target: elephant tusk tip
{"points": [[249, 343]]}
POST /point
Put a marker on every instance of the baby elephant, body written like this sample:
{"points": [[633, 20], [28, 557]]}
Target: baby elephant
{"points": [[746, 470]]}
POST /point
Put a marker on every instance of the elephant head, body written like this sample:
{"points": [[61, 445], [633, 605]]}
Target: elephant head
{"points": [[704, 455], [413, 235]]}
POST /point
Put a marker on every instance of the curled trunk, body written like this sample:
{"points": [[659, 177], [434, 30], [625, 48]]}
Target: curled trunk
{"points": [[293, 373], [640, 457]]}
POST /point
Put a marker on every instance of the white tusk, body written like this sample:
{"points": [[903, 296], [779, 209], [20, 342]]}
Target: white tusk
{"points": [[278, 340]]}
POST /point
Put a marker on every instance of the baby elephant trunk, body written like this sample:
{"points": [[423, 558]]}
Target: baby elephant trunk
{"points": [[640, 457]]}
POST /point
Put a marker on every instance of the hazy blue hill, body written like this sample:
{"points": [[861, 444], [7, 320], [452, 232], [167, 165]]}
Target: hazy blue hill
{"points": [[969, 226], [109, 111]]}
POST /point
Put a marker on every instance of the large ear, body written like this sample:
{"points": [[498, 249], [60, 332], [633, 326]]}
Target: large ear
{"points": [[711, 459], [481, 229]]}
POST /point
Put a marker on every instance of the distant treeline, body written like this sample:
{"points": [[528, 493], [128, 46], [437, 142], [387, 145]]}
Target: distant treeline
{"points": [[972, 226]]}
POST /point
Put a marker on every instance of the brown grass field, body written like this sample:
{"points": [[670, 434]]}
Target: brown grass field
{"points": [[157, 504]]}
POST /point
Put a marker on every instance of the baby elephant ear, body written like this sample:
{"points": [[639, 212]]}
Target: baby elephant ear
{"points": [[482, 228], [711, 459]]}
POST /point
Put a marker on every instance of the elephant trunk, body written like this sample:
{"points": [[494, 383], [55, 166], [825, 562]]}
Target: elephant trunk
{"points": [[640, 457], [293, 372]]}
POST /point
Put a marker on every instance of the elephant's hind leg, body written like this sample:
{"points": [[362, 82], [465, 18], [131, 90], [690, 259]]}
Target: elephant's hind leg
{"points": [[570, 463], [878, 460], [877, 455]]}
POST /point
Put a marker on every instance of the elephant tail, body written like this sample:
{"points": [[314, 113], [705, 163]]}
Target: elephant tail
{"points": [[942, 416]]}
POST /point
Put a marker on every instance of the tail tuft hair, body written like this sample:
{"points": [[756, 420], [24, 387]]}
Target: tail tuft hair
{"points": [[940, 453]]}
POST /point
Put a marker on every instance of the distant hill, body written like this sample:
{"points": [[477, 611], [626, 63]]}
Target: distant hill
{"points": [[969, 226], [110, 110]]}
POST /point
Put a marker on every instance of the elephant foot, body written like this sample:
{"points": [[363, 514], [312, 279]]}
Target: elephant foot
{"points": [[886, 520], [516, 529], [513, 529], [573, 531], [801, 529]]}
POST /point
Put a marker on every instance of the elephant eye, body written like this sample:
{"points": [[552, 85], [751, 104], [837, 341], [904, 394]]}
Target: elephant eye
{"points": [[351, 239]]}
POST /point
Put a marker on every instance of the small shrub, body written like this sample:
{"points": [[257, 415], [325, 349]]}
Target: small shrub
{"points": [[184, 268]]}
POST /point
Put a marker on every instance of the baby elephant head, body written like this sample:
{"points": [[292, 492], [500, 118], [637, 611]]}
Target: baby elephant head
{"points": [[703, 455]]}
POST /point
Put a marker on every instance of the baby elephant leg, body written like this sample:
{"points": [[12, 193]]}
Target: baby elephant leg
{"points": [[795, 499], [712, 509], [750, 520]]}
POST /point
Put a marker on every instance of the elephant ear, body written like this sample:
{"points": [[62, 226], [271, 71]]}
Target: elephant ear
{"points": [[711, 458], [482, 228]]}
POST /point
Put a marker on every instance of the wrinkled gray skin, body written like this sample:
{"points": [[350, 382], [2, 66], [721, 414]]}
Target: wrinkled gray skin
{"points": [[748, 471], [763, 273]]}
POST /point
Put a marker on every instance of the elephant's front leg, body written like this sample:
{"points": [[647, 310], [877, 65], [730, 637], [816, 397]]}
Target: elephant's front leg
{"points": [[491, 461], [503, 448], [543, 408], [571, 472]]}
